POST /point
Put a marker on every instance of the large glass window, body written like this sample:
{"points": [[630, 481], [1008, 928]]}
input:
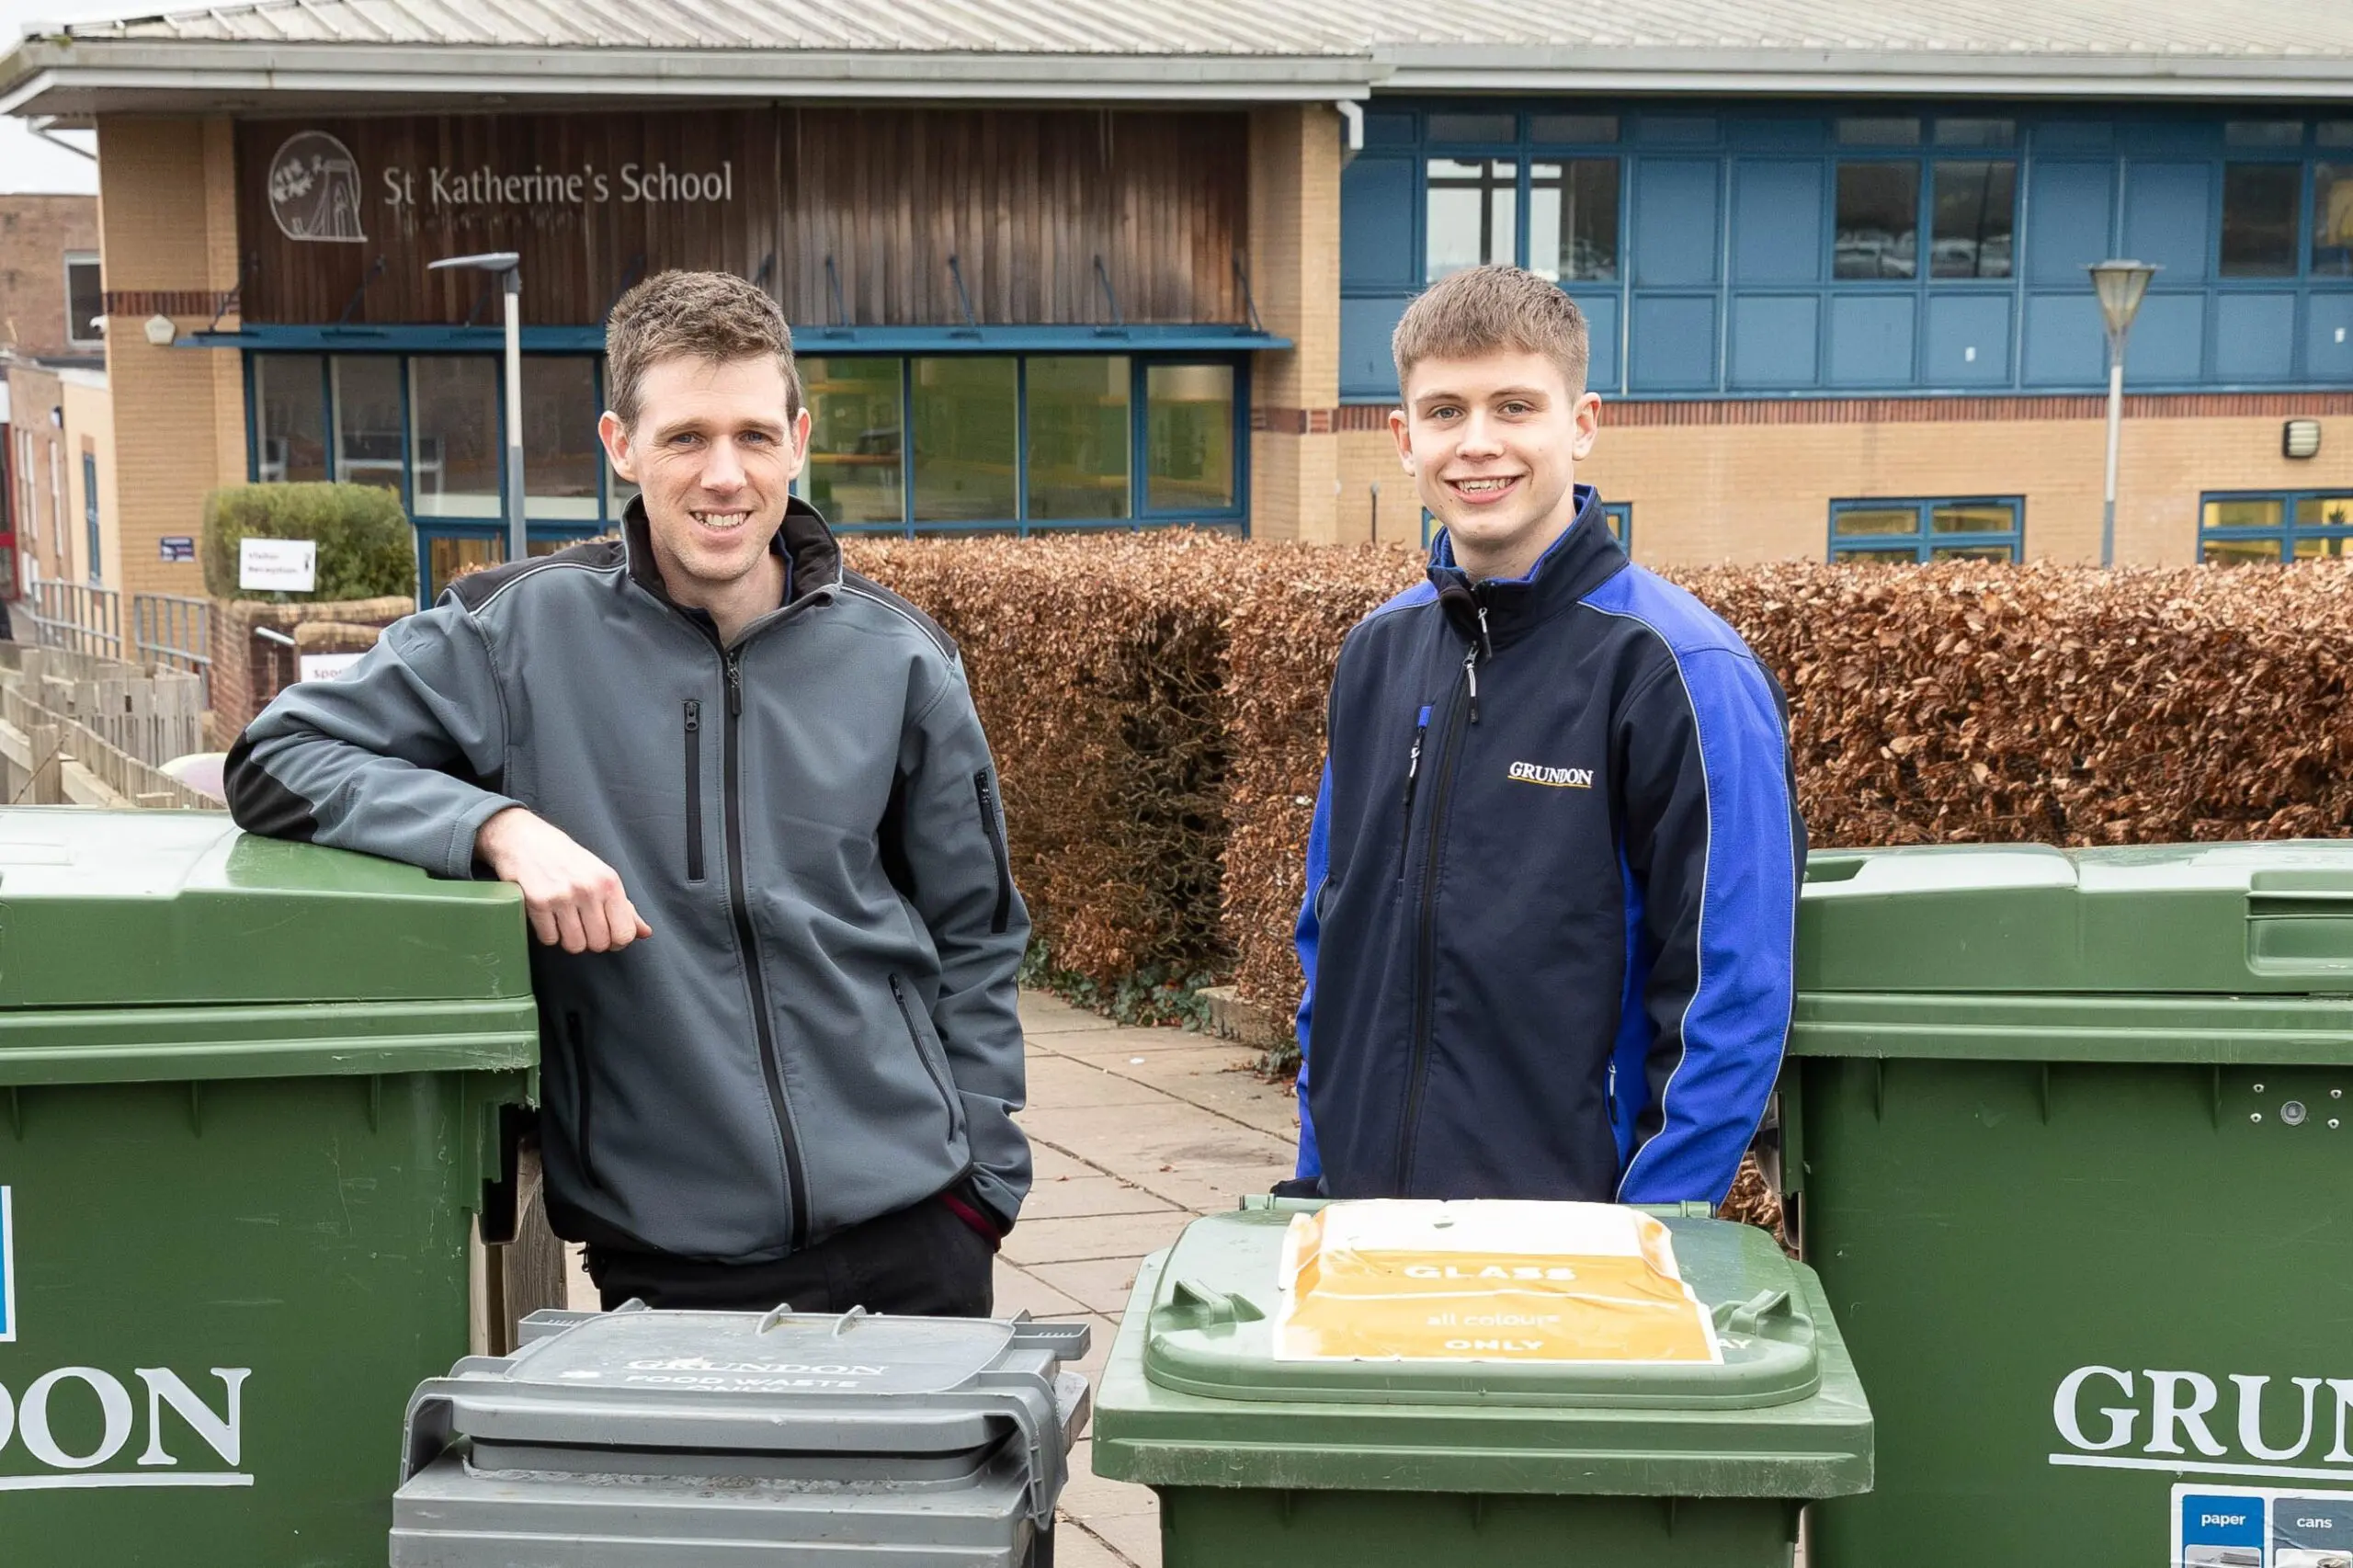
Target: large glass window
{"points": [[1976, 528], [1474, 209], [1976, 200], [1879, 219], [1079, 435], [1573, 220], [450, 555], [290, 418], [2308, 525], [1189, 438], [966, 441], [2259, 218], [455, 447], [563, 460], [854, 457], [366, 419], [2333, 220]]}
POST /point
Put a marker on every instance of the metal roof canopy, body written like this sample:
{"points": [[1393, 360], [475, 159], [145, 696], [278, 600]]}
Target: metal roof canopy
{"points": [[288, 56]]}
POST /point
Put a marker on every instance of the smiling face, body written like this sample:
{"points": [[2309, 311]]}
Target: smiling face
{"points": [[714, 452], [1492, 441]]}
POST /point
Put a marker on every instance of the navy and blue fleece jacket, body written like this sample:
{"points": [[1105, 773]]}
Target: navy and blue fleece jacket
{"points": [[1552, 891]]}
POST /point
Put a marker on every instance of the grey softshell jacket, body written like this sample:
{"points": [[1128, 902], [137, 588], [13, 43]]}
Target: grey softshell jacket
{"points": [[822, 1028]]}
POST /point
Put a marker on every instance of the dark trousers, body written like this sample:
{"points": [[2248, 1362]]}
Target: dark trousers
{"points": [[922, 1261]]}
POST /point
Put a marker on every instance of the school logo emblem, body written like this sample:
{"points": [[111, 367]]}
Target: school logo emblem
{"points": [[1552, 778], [314, 188]]}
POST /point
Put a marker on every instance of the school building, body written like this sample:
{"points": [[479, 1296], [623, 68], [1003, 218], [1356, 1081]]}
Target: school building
{"points": [[1069, 268]]}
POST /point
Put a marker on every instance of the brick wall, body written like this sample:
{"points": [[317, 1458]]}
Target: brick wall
{"points": [[249, 669], [168, 233], [35, 234], [1294, 268], [1754, 481]]}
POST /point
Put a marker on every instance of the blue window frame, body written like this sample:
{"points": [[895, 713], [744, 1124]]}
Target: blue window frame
{"points": [[1620, 516], [1163, 441], [2241, 526], [1954, 528], [1842, 249], [1183, 423]]}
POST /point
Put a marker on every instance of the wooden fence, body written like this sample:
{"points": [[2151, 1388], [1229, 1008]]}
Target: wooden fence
{"points": [[77, 730]]}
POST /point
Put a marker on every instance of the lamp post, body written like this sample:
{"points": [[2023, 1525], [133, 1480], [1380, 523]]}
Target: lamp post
{"points": [[2120, 285], [510, 267]]}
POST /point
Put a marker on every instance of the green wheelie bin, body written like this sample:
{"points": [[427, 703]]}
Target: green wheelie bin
{"points": [[251, 1096], [2068, 1138], [1460, 1448]]}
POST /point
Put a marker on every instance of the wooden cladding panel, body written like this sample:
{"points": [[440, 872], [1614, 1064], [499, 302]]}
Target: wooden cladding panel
{"points": [[1025, 200]]}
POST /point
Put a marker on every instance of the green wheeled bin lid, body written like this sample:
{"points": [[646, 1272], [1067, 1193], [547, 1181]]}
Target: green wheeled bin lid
{"points": [[147, 945], [2211, 918], [2199, 954], [1201, 1390]]}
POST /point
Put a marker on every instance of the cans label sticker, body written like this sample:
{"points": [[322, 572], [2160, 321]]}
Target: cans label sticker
{"points": [[2261, 1528], [1423, 1280]]}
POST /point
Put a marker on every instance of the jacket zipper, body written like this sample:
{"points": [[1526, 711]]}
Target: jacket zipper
{"points": [[1413, 773], [694, 792], [1425, 947], [796, 1178], [939, 1079], [1003, 917], [586, 1098]]}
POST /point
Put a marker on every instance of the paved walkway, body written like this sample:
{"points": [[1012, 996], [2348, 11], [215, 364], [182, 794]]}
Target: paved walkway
{"points": [[1135, 1133]]}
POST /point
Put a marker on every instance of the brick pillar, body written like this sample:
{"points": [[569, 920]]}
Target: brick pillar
{"points": [[1295, 277], [169, 245]]}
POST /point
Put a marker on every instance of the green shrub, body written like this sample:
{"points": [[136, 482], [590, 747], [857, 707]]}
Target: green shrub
{"points": [[366, 548]]}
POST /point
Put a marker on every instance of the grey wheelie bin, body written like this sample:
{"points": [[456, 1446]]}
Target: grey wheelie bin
{"points": [[694, 1439]]}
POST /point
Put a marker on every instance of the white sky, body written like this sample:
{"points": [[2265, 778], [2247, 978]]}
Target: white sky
{"points": [[28, 162]]}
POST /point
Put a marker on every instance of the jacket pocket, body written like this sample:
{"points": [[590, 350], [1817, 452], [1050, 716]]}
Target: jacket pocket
{"points": [[694, 792], [584, 1097], [995, 828], [934, 1063]]}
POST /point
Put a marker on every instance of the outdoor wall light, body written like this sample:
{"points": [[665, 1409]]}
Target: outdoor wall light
{"points": [[2300, 439], [160, 331]]}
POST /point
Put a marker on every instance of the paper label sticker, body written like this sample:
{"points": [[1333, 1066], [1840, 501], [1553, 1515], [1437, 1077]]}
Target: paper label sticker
{"points": [[1553, 1283]]}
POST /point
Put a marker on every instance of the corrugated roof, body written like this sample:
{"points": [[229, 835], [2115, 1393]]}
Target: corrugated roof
{"points": [[2205, 29]]}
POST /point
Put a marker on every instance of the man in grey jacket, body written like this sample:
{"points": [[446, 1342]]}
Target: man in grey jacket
{"points": [[755, 823]]}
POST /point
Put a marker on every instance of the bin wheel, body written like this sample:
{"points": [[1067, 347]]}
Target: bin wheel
{"points": [[1042, 1550]]}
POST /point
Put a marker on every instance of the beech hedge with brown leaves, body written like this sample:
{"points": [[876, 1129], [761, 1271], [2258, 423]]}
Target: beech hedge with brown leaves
{"points": [[1156, 704]]}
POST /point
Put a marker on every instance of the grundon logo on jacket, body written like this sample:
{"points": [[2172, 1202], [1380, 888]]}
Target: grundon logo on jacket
{"points": [[1557, 777]]}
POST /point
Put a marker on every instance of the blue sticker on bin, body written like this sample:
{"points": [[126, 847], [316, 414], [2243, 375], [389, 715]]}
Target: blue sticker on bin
{"points": [[2211, 1519]]}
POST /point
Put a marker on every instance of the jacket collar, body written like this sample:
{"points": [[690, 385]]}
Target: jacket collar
{"points": [[813, 558], [1580, 561]]}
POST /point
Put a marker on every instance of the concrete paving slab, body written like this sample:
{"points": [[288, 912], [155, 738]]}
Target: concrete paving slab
{"points": [[1075, 1548], [1101, 1283], [1071, 1196], [1043, 1012], [1068, 1081], [1119, 1041], [1135, 1537], [1034, 1242], [1017, 1290]]}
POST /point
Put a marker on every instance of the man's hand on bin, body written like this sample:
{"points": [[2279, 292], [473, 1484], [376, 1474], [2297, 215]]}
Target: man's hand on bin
{"points": [[1299, 1187], [574, 901]]}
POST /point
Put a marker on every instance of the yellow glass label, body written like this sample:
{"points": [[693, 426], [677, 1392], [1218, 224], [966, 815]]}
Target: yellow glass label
{"points": [[1510, 1282]]}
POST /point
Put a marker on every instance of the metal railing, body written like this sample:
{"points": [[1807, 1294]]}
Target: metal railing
{"points": [[81, 617], [174, 632]]}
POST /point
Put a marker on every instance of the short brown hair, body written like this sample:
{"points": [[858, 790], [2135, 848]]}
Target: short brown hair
{"points": [[715, 317], [1488, 308]]}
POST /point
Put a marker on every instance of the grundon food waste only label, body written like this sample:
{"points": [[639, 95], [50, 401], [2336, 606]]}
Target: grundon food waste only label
{"points": [[1420, 1280]]}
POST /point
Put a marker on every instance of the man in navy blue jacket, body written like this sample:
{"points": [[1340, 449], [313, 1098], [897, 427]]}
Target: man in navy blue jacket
{"points": [[1552, 884]]}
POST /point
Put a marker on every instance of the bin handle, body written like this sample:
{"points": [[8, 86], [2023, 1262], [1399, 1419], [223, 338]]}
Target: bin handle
{"points": [[1749, 1316], [1213, 1304]]}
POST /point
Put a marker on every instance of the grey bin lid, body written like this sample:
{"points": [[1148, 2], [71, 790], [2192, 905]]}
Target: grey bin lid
{"points": [[740, 1401]]}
